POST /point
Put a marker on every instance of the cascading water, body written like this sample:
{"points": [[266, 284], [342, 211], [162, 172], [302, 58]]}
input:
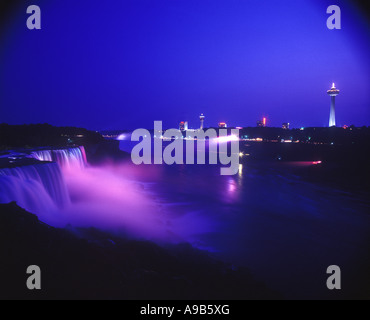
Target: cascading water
{"points": [[42, 155], [67, 158], [37, 188], [41, 187]]}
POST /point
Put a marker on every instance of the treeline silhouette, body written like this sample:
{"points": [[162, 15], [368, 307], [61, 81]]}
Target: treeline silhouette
{"points": [[45, 135]]}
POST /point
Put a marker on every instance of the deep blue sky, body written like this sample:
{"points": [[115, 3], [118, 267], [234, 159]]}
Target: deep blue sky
{"points": [[125, 63]]}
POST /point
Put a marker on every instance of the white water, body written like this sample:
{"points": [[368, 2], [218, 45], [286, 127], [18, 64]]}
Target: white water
{"points": [[36, 188], [66, 158], [41, 187]]}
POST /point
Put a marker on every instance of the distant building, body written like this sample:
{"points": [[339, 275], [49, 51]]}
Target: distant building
{"points": [[286, 126], [333, 92], [183, 126], [222, 125], [262, 123], [201, 117]]}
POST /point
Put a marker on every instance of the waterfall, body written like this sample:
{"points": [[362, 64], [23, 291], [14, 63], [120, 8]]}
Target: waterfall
{"points": [[40, 187], [67, 158], [42, 155], [36, 188]]}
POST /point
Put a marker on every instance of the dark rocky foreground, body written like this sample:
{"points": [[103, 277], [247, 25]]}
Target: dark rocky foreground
{"points": [[90, 264]]}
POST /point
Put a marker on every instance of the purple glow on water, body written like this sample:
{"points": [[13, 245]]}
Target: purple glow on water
{"points": [[108, 197], [112, 197]]}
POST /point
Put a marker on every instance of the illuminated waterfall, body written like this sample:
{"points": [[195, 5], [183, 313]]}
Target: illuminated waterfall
{"points": [[41, 187], [36, 188], [67, 158]]}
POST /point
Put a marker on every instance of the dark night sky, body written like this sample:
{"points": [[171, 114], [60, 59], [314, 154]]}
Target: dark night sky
{"points": [[125, 63]]}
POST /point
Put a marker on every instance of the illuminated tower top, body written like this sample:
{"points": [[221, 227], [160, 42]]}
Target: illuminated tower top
{"points": [[333, 91], [201, 117]]}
